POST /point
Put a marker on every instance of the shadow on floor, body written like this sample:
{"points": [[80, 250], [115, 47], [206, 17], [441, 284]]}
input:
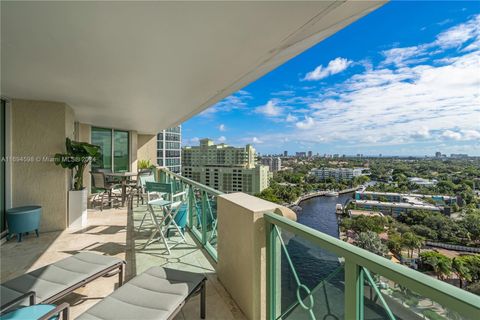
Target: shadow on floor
{"points": [[102, 229], [18, 257], [106, 248]]}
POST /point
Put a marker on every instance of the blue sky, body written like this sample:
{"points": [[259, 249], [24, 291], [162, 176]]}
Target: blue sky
{"points": [[404, 80]]}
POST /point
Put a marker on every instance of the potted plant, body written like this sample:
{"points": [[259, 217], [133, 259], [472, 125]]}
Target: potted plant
{"points": [[145, 166], [77, 157]]}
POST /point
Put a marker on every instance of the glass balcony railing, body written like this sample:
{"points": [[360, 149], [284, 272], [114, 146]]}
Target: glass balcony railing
{"points": [[202, 209], [311, 275]]}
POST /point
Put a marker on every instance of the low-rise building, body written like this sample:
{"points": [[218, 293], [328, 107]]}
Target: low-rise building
{"points": [[404, 197], [336, 173], [393, 208], [422, 182]]}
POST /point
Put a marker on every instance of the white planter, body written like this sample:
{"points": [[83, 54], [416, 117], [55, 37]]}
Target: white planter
{"points": [[77, 208]]}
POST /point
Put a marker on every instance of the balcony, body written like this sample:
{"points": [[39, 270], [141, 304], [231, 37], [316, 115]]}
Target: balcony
{"points": [[152, 66], [114, 232]]}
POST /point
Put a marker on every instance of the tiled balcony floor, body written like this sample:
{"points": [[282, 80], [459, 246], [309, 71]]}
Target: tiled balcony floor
{"points": [[111, 232]]}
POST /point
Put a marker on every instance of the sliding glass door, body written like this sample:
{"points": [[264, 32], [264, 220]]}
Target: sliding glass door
{"points": [[120, 154], [115, 149], [2, 168], [103, 137]]}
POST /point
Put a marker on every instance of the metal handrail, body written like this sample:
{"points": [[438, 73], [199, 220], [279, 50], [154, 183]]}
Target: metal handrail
{"points": [[461, 301]]}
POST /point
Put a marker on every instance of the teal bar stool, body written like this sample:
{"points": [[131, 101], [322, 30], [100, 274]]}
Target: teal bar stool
{"points": [[23, 220]]}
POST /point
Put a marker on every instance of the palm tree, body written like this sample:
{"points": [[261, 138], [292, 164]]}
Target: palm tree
{"points": [[411, 241]]}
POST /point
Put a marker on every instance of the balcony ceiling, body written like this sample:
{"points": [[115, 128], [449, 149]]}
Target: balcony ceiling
{"points": [[146, 66]]}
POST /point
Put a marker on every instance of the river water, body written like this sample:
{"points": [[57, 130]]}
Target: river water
{"points": [[312, 265], [319, 213]]}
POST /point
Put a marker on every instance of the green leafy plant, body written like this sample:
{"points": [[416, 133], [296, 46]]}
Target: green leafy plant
{"points": [[145, 164], [77, 157]]}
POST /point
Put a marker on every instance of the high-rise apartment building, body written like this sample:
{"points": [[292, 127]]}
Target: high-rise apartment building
{"points": [[310, 154], [169, 149], [273, 163], [224, 167], [285, 153]]}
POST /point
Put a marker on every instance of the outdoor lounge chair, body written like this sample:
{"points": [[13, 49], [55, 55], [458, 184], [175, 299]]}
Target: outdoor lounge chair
{"points": [[156, 294], [55, 281]]}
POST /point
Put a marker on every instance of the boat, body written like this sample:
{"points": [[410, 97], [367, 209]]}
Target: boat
{"points": [[331, 194], [339, 208]]}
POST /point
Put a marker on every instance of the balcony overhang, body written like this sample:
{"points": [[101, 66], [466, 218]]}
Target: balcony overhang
{"points": [[146, 66]]}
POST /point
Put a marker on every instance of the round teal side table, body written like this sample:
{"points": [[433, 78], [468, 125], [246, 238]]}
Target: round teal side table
{"points": [[23, 220]]}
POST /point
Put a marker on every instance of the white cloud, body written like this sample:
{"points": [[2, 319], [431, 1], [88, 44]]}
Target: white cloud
{"points": [[308, 123], [454, 37], [462, 135], [221, 139], [459, 34], [402, 56], [270, 109], [334, 66], [472, 134], [222, 127], [256, 140], [291, 118], [453, 135], [422, 133], [395, 106], [238, 100]]}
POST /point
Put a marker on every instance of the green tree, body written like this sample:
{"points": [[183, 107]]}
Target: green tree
{"points": [[460, 266], [269, 195], [473, 265], [471, 223], [411, 241], [441, 264], [425, 232], [394, 242], [369, 223], [371, 241]]}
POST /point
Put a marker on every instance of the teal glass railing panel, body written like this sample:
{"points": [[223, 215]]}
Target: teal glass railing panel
{"points": [[211, 220], [309, 279], [364, 286], [394, 301], [202, 209]]}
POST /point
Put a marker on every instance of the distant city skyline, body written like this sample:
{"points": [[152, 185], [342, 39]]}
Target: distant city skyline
{"points": [[404, 80]]}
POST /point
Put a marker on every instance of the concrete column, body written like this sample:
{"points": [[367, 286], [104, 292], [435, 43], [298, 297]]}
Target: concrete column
{"points": [[38, 131], [241, 249], [147, 147]]}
